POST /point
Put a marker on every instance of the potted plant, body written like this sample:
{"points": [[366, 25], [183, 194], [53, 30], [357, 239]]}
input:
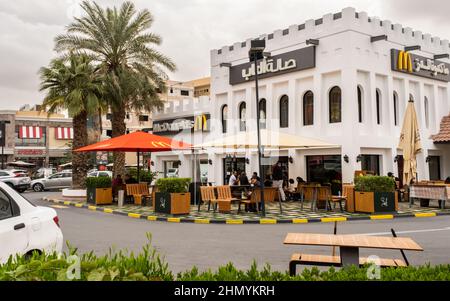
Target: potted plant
{"points": [[172, 196], [375, 194], [99, 190]]}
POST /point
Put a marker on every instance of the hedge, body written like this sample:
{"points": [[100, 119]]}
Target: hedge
{"points": [[173, 185], [148, 266], [374, 184], [98, 182]]}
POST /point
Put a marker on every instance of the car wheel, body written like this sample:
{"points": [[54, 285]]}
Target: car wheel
{"points": [[38, 187], [21, 190]]}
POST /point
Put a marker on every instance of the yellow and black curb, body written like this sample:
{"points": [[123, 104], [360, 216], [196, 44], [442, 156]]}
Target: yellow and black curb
{"points": [[262, 221]]}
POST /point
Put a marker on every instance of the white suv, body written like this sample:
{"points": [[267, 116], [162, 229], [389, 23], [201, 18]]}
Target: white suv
{"points": [[16, 179], [25, 228]]}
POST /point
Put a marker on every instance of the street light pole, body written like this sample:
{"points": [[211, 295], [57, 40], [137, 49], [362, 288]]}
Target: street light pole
{"points": [[256, 53], [3, 124]]}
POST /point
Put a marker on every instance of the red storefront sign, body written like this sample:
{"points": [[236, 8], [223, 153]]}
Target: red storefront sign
{"points": [[30, 152]]}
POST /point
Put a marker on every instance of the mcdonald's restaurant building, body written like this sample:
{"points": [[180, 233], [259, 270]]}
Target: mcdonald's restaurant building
{"points": [[345, 78]]}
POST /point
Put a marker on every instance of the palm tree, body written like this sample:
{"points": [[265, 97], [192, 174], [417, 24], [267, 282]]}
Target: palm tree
{"points": [[119, 39], [74, 84]]}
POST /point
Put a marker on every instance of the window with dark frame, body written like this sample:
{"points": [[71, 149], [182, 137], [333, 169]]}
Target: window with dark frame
{"points": [[360, 106], [378, 104], [184, 92], [284, 111], [335, 102], [262, 114], [224, 118], [143, 118], [308, 108], [395, 109], [242, 117]]}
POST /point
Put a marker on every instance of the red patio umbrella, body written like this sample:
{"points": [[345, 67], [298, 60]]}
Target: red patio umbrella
{"points": [[137, 142]]}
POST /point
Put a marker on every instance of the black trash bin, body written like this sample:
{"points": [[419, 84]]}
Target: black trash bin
{"points": [[195, 196]]}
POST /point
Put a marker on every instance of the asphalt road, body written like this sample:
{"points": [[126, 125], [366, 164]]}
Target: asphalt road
{"points": [[209, 246]]}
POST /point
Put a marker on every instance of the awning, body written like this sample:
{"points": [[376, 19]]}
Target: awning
{"points": [[63, 133], [444, 133], [30, 132]]}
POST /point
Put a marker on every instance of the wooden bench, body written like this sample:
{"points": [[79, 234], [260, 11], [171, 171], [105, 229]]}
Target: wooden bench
{"points": [[225, 198], [138, 192], [255, 197], [335, 261], [208, 196]]}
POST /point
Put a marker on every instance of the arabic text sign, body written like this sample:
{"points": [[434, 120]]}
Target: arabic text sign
{"points": [[419, 65], [296, 60]]}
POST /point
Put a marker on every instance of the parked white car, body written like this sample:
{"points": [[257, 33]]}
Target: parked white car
{"points": [[16, 179], [100, 173], [172, 173], [25, 228], [55, 181]]}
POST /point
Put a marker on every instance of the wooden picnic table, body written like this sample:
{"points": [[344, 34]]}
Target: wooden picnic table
{"points": [[349, 244]]}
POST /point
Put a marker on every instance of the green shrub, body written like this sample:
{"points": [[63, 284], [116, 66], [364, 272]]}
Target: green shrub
{"points": [[374, 184], [145, 176], [173, 185], [98, 182]]}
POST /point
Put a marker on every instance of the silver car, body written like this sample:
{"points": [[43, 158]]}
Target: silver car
{"points": [[16, 179], [55, 181]]}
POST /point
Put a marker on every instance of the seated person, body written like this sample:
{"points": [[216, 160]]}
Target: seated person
{"points": [[243, 180], [300, 180], [268, 181], [130, 180]]}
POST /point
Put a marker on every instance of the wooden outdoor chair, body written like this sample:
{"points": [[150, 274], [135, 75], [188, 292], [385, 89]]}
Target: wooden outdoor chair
{"points": [[255, 198], [208, 196], [225, 198], [139, 192]]}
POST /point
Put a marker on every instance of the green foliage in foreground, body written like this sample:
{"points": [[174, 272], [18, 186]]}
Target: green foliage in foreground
{"points": [[148, 266]]}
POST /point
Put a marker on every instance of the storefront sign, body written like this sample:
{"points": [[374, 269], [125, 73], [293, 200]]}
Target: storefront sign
{"points": [[410, 63], [191, 123], [296, 60], [30, 152]]}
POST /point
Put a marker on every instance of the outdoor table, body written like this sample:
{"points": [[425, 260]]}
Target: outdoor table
{"points": [[349, 245], [430, 192]]}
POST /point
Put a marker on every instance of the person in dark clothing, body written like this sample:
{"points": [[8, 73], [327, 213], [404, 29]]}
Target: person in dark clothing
{"points": [[300, 180], [255, 175], [130, 180], [243, 180], [268, 181], [277, 176], [447, 181]]}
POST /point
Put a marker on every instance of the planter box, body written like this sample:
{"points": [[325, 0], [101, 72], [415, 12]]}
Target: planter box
{"points": [[374, 202], [172, 203], [99, 196]]}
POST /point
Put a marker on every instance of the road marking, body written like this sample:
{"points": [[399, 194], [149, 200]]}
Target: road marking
{"points": [[78, 205], [67, 203], [425, 214], [173, 220], [152, 218], [408, 231], [106, 210], [234, 221], [58, 207], [93, 208], [201, 221], [134, 215]]}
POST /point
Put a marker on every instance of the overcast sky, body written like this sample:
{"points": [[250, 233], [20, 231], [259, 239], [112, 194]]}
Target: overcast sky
{"points": [[190, 29]]}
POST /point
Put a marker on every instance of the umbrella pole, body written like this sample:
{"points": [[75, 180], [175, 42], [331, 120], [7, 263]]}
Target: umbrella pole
{"points": [[138, 168]]}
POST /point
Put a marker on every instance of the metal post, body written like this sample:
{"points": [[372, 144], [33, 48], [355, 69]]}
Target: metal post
{"points": [[260, 151], [138, 168], [3, 159]]}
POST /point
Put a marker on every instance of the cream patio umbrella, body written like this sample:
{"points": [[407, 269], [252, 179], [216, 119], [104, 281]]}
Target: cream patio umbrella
{"points": [[269, 139], [410, 143]]}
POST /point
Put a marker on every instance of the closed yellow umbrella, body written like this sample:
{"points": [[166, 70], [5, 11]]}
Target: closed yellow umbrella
{"points": [[410, 143]]}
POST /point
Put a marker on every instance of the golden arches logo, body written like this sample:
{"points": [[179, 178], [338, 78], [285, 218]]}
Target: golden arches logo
{"points": [[201, 123], [404, 61], [161, 144]]}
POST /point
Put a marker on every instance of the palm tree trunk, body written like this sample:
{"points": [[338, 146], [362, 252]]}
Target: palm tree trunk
{"points": [[79, 160], [118, 129]]}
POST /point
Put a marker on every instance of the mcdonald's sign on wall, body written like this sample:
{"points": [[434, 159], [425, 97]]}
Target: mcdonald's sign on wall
{"points": [[191, 123], [410, 63]]}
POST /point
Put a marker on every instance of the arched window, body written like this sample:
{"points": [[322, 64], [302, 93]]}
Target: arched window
{"points": [[335, 100], [360, 105], [242, 117], [284, 112], [224, 118], [378, 105], [395, 108], [308, 108], [427, 112], [262, 114]]}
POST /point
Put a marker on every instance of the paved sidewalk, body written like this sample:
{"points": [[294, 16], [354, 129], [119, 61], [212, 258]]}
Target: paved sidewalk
{"points": [[291, 213]]}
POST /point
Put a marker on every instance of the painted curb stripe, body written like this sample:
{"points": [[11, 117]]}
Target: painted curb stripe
{"points": [[268, 221], [240, 221], [427, 214], [134, 215], [333, 219], [377, 217], [234, 221], [300, 221], [201, 221]]}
